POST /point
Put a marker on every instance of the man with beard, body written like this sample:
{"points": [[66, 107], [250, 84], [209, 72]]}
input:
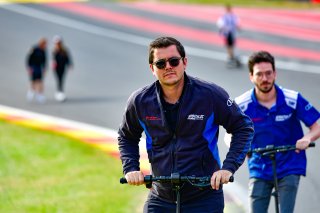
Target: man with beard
{"points": [[276, 113], [180, 116]]}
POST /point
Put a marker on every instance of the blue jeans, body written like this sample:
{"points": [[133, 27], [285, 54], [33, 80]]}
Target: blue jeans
{"points": [[260, 193], [208, 204]]}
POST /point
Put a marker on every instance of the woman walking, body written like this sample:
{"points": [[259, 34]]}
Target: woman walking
{"points": [[61, 62]]}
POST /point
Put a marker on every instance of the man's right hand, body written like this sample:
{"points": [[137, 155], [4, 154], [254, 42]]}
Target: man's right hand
{"points": [[135, 178], [220, 177]]}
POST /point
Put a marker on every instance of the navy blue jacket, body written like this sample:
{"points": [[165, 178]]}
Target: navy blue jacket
{"points": [[192, 148]]}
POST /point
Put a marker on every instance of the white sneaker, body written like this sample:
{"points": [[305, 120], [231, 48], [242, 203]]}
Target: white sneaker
{"points": [[30, 95], [60, 96], [41, 99]]}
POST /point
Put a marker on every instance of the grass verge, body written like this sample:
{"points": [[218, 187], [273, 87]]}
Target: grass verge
{"points": [[45, 172]]}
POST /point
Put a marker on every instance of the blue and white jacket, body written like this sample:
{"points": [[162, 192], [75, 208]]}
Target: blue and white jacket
{"points": [[192, 148], [279, 125]]}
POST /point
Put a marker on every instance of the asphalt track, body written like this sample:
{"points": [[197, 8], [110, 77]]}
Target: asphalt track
{"points": [[110, 41]]}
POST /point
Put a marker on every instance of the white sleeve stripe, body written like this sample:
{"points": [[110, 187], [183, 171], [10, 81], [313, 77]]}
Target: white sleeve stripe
{"points": [[245, 97], [244, 100], [291, 97]]}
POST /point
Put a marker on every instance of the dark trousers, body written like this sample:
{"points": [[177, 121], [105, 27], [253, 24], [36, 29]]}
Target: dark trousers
{"points": [[212, 203], [60, 73], [260, 194]]}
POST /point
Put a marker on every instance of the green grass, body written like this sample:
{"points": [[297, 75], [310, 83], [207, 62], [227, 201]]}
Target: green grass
{"points": [[292, 4], [45, 172]]}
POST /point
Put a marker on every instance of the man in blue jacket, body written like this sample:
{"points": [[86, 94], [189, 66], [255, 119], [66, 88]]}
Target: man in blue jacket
{"points": [[276, 113], [180, 116]]}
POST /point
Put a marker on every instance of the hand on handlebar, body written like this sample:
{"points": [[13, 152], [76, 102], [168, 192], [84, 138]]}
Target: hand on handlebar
{"points": [[270, 150], [220, 177], [135, 178], [302, 144]]}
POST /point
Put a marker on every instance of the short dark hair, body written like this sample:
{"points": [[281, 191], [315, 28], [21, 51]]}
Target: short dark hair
{"points": [[163, 42], [260, 56], [228, 7]]}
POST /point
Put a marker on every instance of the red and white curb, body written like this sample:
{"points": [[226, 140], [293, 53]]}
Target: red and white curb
{"points": [[102, 138]]}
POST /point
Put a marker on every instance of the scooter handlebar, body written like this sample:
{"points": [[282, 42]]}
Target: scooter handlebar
{"points": [[272, 148], [149, 178]]}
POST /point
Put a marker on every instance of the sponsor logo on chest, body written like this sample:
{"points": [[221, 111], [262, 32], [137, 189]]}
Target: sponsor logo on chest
{"points": [[195, 117], [152, 118], [282, 117]]}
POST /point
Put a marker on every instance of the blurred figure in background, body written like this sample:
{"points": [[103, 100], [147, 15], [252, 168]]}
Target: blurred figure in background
{"points": [[61, 62], [228, 25], [36, 62]]}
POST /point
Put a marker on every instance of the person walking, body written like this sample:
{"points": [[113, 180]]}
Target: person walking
{"points": [[36, 63], [180, 116], [276, 113], [61, 62], [228, 25]]}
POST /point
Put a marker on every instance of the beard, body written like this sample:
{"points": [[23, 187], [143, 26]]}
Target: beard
{"points": [[265, 87]]}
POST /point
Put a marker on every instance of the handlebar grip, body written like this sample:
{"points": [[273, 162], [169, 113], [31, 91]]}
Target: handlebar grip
{"points": [[312, 144], [231, 179], [123, 180]]}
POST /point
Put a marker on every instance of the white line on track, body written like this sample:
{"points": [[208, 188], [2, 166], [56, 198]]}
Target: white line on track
{"points": [[140, 40]]}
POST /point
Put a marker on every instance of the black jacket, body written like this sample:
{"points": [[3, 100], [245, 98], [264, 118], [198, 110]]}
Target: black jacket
{"points": [[192, 148], [37, 59]]}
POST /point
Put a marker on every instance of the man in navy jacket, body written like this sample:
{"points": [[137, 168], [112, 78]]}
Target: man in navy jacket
{"points": [[180, 116]]}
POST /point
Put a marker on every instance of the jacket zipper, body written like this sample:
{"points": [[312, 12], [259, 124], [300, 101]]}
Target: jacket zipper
{"points": [[174, 138]]}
